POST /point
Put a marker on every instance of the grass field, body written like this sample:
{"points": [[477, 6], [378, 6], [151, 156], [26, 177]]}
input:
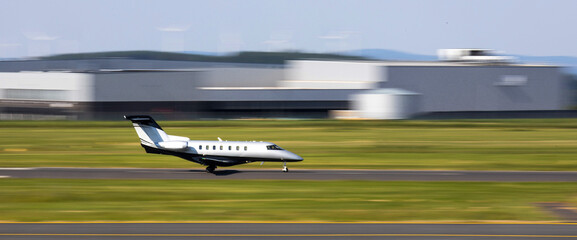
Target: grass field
{"points": [[223, 200], [451, 145]]}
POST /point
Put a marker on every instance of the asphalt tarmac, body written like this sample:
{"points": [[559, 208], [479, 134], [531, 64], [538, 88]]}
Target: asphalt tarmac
{"points": [[242, 231], [224, 173]]}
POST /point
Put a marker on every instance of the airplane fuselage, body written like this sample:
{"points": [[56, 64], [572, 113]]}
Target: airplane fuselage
{"points": [[209, 153], [227, 153]]}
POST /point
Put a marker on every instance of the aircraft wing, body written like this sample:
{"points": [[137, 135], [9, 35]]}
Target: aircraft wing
{"points": [[221, 161]]}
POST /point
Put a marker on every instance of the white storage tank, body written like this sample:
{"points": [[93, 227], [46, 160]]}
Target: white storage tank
{"points": [[388, 103]]}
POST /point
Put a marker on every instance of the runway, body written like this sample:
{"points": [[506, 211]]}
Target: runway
{"points": [[284, 231], [242, 231], [370, 175]]}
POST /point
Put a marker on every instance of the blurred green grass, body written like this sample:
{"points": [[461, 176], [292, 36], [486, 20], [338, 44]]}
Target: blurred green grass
{"points": [[535, 144], [29, 200]]}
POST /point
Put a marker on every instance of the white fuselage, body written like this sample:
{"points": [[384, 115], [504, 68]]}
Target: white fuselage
{"points": [[240, 149]]}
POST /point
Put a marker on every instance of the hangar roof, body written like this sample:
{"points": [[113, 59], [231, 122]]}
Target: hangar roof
{"points": [[390, 91], [432, 63]]}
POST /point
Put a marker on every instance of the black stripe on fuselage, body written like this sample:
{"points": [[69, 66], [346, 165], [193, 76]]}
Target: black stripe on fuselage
{"points": [[188, 156]]}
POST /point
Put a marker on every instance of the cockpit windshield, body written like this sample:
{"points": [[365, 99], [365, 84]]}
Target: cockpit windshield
{"points": [[273, 147]]}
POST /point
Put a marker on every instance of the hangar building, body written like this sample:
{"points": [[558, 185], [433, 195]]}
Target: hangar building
{"points": [[444, 86], [108, 89]]}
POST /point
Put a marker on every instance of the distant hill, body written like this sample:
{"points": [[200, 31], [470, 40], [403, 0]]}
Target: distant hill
{"points": [[385, 54], [241, 57]]}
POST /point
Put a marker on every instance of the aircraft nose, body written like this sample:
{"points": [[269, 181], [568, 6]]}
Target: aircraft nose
{"points": [[289, 156]]}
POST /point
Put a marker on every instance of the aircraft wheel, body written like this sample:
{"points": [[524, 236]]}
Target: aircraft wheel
{"points": [[210, 169], [284, 169]]}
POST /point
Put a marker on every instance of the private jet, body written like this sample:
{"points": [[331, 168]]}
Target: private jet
{"points": [[212, 154]]}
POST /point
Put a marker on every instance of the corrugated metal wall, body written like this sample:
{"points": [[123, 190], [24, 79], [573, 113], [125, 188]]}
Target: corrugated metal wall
{"points": [[481, 88]]}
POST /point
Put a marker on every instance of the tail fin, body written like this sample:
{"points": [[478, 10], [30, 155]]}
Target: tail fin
{"points": [[147, 129]]}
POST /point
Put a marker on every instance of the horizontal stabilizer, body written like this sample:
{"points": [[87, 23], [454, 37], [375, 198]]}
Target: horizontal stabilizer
{"points": [[143, 120], [177, 138], [173, 144]]}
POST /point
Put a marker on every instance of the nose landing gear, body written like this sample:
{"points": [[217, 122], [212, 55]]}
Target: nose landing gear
{"points": [[284, 168]]}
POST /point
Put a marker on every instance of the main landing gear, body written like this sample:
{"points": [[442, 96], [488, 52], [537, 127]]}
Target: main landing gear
{"points": [[210, 168]]}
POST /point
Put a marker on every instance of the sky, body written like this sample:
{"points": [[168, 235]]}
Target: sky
{"points": [[30, 28]]}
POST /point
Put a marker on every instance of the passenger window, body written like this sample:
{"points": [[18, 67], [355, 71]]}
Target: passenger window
{"points": [[207, 148], [213, 147], [199, 147], [229, 148], [220, 147], [237, 148], [245, 148]]}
